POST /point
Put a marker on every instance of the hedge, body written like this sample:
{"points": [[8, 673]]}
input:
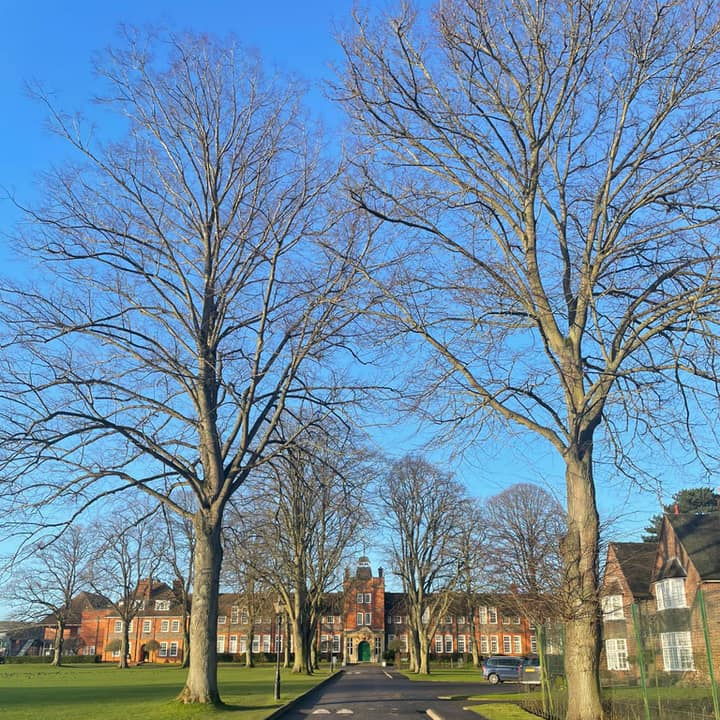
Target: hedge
{"points": [[47, 659]]}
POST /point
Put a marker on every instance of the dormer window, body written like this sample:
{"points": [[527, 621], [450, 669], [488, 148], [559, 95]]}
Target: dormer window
{"points": [[162, 604], [612, 607], [670, 593]]}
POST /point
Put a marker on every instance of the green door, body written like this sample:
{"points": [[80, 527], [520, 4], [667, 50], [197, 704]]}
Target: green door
{"points": [[364, 652]]}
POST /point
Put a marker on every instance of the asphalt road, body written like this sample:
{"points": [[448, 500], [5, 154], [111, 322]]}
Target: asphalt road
{"points": [[367, 692]]}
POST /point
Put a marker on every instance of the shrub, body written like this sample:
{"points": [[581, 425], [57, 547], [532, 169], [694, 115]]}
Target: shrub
{"points": [[23, 659]]}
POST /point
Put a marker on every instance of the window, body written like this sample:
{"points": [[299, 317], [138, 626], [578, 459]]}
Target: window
{"points": [[461, 644], [612, 607], [483, 615], [163, 649], [507, 648], [438, 644], [484, 648], [378, 647], [118, 626], [398, 619], [234, 614], [90, 650], [461, 620], [492, 615], [360, 597], [266, 643], [162, 604], [447, 620], [164, 626], [368, 619], [173, 649], [222, 619], [448, 644], [368, 598], [516, 619], [336, 643], [131, 625], [116, 653], [278, 643], [517, 645], [349, 647], [360, 617], [677, 651], [175, 626], [243, 644], [324, 642], [232, 645], [616, 651], [330, 619], [221, 643], [256, 644], [533, 644], [244, 617], [506, 619], [670, 593], [493, 644], [147, 626], [403, 643]]}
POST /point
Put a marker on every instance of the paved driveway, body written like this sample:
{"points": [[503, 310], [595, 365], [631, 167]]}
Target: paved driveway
{"points": [[367, 692]]}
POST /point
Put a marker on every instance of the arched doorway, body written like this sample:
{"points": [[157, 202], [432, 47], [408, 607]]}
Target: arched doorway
{"points": [[364, 651]]}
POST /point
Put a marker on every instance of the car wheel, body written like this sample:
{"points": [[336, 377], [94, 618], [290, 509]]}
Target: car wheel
{"points": [[493, 679]]}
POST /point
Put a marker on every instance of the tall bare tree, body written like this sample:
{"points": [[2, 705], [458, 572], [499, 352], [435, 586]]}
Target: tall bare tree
{"points": [[124, 560], [191, 299], [525, 526], [310, 518], [47, 581], [422, 511], [546, 176]]}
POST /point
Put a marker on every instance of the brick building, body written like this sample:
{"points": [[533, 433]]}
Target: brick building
{"points": [[662, 581], [356, 625]]}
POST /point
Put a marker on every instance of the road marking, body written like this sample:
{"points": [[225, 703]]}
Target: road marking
{"points": [[344, 711], [387, 674], [321, 711]]}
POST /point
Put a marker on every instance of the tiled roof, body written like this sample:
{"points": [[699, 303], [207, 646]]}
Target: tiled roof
{"points": [[700, 536], [636, 562]]}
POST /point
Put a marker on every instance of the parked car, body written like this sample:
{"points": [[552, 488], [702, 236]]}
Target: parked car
{"points": [[530, 671], [499, 668]]}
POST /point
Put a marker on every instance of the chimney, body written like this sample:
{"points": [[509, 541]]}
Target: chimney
{"points": [[347, 573], [677, 509], [380, 572]]}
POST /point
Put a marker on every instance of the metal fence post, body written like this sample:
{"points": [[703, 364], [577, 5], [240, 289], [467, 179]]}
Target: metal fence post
{"points": [[641, 658], [708, 651]]}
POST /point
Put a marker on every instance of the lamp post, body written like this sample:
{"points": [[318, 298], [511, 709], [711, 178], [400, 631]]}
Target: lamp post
{"points": [[278, 626]]}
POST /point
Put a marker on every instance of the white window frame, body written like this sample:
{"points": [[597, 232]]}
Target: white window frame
{"points": [[438, 644], [162, 652], [234, 615], [447, 620], [147, 627], [336, 643], [484, 645], [118, 626], [233, 644], [533, 643], [222, 619], [175, 626], [360, 617], [360, 598], [517, 644], [256, 644], [164, 626], [368, 598], [677, 651], [243, 643], [617, 655], [173, 650], [670, 593], [244, 617], [494, 646], [461, 620], [612, 607], [266, 643], [461, 644], [162, 605], [482, 615], [220, 645], [507, 644], [492, 616], [449, 644], [368, 619]]}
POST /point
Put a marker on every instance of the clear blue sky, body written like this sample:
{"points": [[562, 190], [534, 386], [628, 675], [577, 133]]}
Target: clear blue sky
{"points": [[52, 43]]}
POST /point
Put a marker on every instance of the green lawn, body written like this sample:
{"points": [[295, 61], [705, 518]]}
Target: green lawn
{"points": [[448, 675], [500, 711], [28, 692]]}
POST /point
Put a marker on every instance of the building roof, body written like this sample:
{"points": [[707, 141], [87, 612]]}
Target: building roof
{"points": [[636, 561], [699, 534], [82, 601]]}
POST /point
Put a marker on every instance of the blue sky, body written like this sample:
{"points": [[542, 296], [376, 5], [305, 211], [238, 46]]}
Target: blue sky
{"points": [[53, 43]]}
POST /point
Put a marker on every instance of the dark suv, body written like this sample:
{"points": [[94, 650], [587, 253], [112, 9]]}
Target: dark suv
{"points": [[499, 668]]}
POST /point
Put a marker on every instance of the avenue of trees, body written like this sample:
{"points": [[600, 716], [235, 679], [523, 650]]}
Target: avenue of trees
{"points": [[525, 219]]}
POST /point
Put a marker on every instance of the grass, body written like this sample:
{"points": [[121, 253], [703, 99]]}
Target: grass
{"points": [[28, 692], [500, 711], [448, 675]]}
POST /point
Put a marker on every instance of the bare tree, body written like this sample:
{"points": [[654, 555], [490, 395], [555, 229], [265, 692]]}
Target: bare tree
{"points": [[46, 583], [124, 561], [473, 553], [422, 511], [192, 300], [546, 177], [309, 519], [524, 528]]}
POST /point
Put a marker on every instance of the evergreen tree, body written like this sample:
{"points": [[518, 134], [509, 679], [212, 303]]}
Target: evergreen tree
{"points": [[687, 500]]}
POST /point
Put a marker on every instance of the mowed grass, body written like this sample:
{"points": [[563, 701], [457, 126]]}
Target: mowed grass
{"points": [[498, 711], [29, 692], [448, 675]]}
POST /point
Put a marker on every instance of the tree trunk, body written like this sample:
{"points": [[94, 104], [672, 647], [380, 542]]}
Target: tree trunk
{"points": [[186, 636], [249, 662], [286, 642], [124, 644], [298, 646], [580, 551], [201, 682], [474, 640], [59, 641]]}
